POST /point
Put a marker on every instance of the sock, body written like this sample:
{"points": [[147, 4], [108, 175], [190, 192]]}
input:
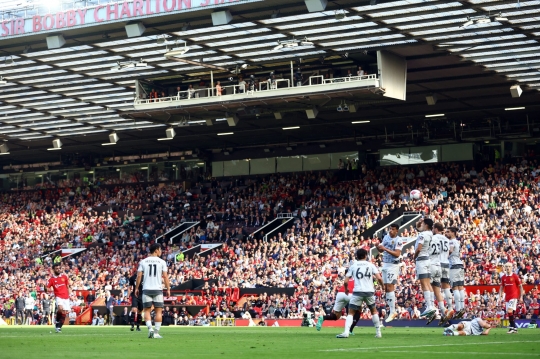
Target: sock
{"points": [[131, 318], [138, 319], [348, 323], [442, 308], [158, 326], [391, 301], [427, 299], [511, 319], [356, 318], [457, 299], [448, 297], [376, 322], [62, 320], [149, 324], [331, 316], [462, 298], [58, 320]]}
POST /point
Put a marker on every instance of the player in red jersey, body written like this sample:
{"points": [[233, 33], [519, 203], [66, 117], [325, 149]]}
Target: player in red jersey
{"points": [[513, 290], [342, 301], [59, 283]]}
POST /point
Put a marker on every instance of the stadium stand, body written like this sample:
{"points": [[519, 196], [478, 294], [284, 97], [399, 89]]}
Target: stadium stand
{"points": [[495, 207]]}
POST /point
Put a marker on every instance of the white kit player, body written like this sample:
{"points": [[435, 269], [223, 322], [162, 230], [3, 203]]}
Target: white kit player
{"points": [[363, 273], [154, 270], [423, 264], [445, 279], [476, 326], [435, 267], [457, 271], [391, 251]]}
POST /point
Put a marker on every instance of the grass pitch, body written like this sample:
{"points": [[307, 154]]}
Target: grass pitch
{"points": [[245, 342]]}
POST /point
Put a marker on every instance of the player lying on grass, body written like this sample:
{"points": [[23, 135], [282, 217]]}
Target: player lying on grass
{"points": [[476, 326]]}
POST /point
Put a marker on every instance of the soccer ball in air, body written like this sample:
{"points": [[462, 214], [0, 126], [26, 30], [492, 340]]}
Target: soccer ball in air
{"points": [[416, 194]]}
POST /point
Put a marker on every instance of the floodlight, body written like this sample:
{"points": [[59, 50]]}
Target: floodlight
{"points": [[9, 61], [345, 108], [483, 20], [244, 66], [469, 22], [340, 14], [3, 81], [339, 109], [278, 47], [141, 64], [178, 51], [306, 43]]}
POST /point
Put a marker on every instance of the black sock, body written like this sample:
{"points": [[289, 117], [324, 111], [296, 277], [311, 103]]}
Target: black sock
{"points": [[331, 316], [512, 322], [62, 320], [139, 319], [58, 320], [131, 318], [355, 320]]}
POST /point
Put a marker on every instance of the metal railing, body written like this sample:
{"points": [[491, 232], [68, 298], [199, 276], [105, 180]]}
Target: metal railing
{"points": [[212, 93]]}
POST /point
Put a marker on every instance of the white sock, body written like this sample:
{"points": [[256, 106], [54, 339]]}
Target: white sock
{"points": [[427, 297], [149, 324], [448, 297], [376, 322], [441, 307], [462, 298], [391, 301], [457, 300], [348, 323], [158, 326]]}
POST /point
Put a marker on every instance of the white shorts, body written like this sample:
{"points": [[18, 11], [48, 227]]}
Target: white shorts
{"points": [[473, 327], [445, 274], [342, 300], [436, 274], [358, 298], [390, 273], [511, 305], [457, 277], [423, 269], [64, 303]]}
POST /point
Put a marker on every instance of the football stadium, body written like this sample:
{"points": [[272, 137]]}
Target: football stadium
{"points": [[269, 178]]}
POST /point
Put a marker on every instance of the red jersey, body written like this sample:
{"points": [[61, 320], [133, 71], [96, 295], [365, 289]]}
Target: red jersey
{"points": [[350, 287], [510, 284], [60, 285]]}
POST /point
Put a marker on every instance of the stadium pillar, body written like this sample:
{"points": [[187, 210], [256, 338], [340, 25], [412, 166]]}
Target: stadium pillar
{"points": [[212, 81], [292, 74]]}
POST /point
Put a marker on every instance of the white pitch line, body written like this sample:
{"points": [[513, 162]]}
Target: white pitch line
{"points": [[428, 345], [474, 353]]}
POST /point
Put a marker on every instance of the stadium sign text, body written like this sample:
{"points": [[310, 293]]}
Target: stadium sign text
{"points": [[121, 11]]}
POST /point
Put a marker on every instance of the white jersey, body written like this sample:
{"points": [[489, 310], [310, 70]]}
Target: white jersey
{"points": [[362, 272], [435, 249], [153, 269], [424, 238], [455, 256], [445, 249]]}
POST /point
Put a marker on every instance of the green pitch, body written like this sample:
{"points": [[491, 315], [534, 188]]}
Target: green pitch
{"points": [[260, 343]]}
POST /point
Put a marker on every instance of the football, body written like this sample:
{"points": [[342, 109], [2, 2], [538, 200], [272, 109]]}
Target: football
{"points": [[416, 194]]}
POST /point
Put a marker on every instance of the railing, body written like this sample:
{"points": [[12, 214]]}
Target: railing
{"points": [[249, 89]]}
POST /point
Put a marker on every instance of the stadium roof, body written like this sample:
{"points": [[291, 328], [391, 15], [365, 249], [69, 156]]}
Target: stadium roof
{"points": [[468, 53]]}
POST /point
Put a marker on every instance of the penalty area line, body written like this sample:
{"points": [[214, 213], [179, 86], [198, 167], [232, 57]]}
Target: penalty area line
{"points": [[428, 345]]}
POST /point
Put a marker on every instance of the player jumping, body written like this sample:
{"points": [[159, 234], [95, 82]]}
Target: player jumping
{"points": [[457, 272], [59, 283], [342, 301], [510, 283], [154, 271], [363, 272], [423, 265], [391, 251]]}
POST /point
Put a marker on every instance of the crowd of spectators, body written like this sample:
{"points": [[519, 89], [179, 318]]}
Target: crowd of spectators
{"points": [[496, 209]]}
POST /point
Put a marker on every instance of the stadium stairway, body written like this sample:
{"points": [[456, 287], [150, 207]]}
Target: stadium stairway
{"points": [[85, 317]]}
